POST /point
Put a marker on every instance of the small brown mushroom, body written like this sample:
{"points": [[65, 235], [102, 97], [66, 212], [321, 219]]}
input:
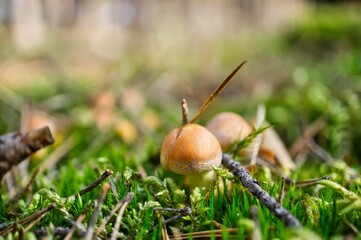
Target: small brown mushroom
{"points": [[229, 128], [190, 149]]}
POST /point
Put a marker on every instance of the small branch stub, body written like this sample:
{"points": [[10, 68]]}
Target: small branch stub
{"points": [[185, 111], [252, 185], [15, 147]]}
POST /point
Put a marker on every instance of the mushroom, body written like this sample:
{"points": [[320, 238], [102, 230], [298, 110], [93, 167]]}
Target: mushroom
{"points": [[229, 128], [192, 150]]}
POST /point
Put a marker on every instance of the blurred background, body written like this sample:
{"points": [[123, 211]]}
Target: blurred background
{"points": [[126, 65]]}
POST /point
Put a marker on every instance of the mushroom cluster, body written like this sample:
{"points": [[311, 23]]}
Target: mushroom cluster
{"points": [[192, 149]]}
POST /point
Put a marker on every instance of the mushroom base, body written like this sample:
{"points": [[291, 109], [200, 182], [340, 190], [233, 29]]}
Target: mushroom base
{"points": [[202, 180]]}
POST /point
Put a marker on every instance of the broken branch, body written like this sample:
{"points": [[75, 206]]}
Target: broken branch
{"points": [[253, 186], [15, 147]]}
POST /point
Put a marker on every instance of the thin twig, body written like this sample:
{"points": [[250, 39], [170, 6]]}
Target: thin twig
{"points": [[21, 192], [127, 200], [27, 220], [310, 182], [34, 222], [93, 219], [182, 212], [15, 147], [215, 93], [255, 189], [94, 184]]}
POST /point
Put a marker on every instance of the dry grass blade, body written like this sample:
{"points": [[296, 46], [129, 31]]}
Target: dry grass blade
{"points": [[78, 221], [93, 219], [34, 223], [282, 193], [127, 200], [215, 93]]}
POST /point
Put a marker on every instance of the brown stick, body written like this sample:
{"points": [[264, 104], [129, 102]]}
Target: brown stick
{"points": [[27, 220], [15, 147], [94, 184], [255, 189]]}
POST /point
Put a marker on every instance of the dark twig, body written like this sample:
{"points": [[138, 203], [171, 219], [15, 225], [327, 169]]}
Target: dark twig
{"points": [[253, 186], [310, 182], [93, 219], [27, 220], [127, 200], [94, 184], [15, 147], [182, 212]]}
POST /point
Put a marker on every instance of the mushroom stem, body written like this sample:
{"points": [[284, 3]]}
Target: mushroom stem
{"points": [[202, 180], [185, 111]]}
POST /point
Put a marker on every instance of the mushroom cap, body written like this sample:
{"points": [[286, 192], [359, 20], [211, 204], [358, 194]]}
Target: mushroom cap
{"points": [[228, 128], [190, 149]]}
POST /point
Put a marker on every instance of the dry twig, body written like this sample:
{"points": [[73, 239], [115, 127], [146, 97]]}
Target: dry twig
{"points": [[15, 147], [27, 220], [253, 186], [94, 184]]}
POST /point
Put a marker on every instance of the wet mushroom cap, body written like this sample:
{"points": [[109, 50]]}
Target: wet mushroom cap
{"points": [[228, 128], [190, 149]]}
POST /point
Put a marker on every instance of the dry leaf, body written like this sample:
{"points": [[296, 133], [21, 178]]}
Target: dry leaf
{"points": [[272, 145]]}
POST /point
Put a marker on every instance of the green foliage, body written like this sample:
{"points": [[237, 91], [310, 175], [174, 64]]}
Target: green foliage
{"points": [[244, 143]]}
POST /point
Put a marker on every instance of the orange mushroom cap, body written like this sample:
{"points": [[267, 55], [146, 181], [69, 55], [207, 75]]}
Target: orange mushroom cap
{"points": [[190, 149], [228, 128]]}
